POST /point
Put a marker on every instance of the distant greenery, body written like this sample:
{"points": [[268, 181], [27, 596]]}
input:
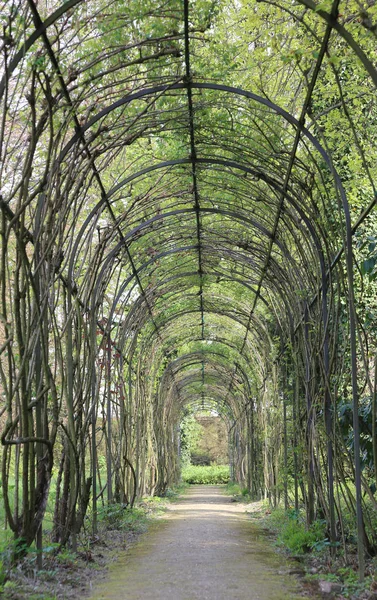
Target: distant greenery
{"points": [[190, 431], [207, 475]]}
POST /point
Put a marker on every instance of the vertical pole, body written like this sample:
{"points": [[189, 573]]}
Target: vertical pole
{"points": [[328, 416], [130, 480], [295, 385], [249, 438], [231, 461], [355, 393], [356, 429], [121, 430], [71, 421], [310, 472], [38, 367], [109, 430], [40, 432], [374, 420], [93, 427], [285, 454], [253, 469]]}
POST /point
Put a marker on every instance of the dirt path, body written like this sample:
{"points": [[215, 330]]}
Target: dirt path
{"points": [[207, 549]]}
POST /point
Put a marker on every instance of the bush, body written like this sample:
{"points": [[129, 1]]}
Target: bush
{"points": [[294, 534], [120, 517], [215, 474], [297, 538]]}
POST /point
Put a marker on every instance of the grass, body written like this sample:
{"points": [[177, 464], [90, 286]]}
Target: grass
{"points": [[240, 494]]}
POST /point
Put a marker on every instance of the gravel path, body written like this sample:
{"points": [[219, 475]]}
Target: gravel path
{"points": [[207, 549]]}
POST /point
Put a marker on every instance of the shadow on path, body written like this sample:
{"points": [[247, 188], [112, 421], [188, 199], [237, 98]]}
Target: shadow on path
{"points": [[207, 549]]}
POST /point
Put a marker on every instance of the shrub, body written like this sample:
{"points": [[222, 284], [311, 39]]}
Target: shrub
{"points": [[120, 517], [206, 475], [134, 519], [298, 539]]}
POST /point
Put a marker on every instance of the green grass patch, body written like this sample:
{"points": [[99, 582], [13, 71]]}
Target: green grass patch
{"points": [[233, 489], [240, 494], [172, 493], [216, 474]]}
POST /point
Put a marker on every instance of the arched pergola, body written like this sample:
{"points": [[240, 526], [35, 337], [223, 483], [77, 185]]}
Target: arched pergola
{"points": [[182, 187]]}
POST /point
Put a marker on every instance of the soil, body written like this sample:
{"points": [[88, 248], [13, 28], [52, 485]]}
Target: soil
{"points": [[207, 548]]}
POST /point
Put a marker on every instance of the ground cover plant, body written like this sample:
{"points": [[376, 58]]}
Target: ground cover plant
{"points": [[67, 574], [311, 550]]}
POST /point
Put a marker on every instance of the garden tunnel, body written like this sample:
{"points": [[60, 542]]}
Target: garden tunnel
{"points": [[187, 222]]}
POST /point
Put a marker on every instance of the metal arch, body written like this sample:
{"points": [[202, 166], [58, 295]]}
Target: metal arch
{"points": [[163, 282], [215, 87], [256, 98], [68, 4], [222, 341], [194, 374], [185, 161], [145, 224], [232, 214], [190, 382], [195, 405], [187, 312], [209, 402], [197, 359], [156, 218], [290, 199], [179, 276], [199, 356], [280, 291], [191, 379], [114, 252], [258, 323], [188, 86], [206, 86], [208, 274], [140, 299], [226, 414], [218, 382], [210, 309]]}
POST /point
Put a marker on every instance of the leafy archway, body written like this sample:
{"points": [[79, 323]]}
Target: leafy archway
{"points": [[187, 216]]}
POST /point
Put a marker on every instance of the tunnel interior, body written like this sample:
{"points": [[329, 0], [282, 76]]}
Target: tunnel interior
{"points": [[187, 218]]}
